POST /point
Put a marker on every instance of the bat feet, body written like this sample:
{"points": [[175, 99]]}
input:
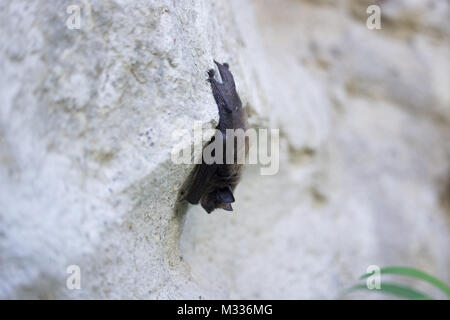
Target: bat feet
{"points": [[211, 74]]}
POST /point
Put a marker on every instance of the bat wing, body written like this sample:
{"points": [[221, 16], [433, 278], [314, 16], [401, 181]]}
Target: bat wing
{"points": [[202, 177]]}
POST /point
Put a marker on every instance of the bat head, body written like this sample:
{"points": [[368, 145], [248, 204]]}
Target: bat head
{"points": [[219, 198]]}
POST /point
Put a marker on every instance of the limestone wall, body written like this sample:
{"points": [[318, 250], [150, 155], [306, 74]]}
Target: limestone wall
{"points": [[86, 123]]}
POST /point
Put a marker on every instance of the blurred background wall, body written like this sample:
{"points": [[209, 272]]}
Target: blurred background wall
{"points": [[86, 122]]}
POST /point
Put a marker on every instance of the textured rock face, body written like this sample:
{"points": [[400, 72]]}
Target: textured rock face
{"points": [[86, 123]]}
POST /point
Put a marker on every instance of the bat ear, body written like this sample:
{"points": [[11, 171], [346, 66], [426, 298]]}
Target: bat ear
{"points": [[228, 208], [225, 195]]}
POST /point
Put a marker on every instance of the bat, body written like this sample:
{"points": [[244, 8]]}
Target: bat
{"points": [[213, 184]]}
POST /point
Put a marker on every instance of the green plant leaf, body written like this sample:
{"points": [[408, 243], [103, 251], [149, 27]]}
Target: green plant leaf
{"points": [[413, 273], [395, 290]]}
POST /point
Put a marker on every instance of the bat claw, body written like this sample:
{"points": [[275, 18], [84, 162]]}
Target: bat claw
{"points": [[220, 65], [225, 74], [211, 73]]}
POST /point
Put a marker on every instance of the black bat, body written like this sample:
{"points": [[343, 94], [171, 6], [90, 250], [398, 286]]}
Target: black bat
{"points": [[213, 184]]}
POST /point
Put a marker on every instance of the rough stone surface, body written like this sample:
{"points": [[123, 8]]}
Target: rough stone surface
{"points": [[86, 124]]}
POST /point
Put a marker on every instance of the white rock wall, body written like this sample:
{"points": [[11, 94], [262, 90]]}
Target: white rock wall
{"points": [[86, 123]]}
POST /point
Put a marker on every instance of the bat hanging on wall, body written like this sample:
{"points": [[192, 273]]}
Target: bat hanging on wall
{"points": [[213, 184]]}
